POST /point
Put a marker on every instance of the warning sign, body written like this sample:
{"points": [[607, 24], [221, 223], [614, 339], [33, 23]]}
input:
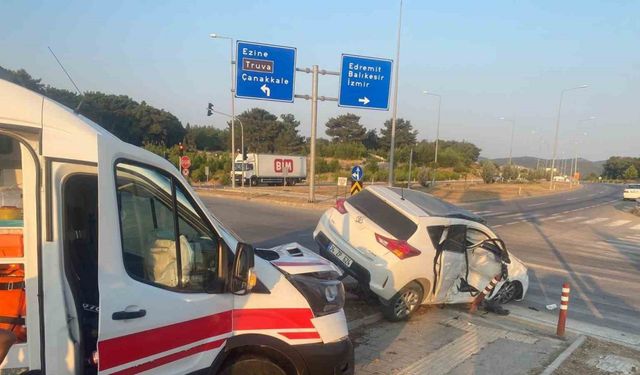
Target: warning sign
{"points": [[356, 187]]}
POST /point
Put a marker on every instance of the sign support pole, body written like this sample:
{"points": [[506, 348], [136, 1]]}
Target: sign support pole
{"points": [[314, 122]]}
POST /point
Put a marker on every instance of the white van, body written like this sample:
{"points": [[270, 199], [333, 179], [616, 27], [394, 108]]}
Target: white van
{"points": [[110, 264]]}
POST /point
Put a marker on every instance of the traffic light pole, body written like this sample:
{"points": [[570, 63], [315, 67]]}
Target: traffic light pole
{"points": [[314, 122]]}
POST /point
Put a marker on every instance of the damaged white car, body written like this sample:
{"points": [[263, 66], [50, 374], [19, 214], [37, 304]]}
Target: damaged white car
{"points": [[410, 248]]}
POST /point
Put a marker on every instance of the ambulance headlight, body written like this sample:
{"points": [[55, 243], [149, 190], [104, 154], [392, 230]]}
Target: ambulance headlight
{"points": [[322, 290]]}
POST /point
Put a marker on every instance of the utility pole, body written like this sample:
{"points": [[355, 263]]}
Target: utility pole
{"points": [[410, 161], [435, 158], [555, 142], [394, 115]]}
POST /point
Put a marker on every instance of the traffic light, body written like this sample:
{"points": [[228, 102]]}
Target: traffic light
{"points": [[181, 148], [209, 109]]}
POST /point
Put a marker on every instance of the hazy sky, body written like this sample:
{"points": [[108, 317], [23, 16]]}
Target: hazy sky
{"points": [[487, 59]]}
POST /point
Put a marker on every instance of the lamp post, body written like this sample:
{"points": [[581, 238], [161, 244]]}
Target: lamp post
{"points": [[233, 104], [233, 161], [513, 129], [394, 114], [555, 142], [575, 161], [435, 161]]}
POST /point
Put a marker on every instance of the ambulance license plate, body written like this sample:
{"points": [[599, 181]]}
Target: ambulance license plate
{"points": [[344, 258]]}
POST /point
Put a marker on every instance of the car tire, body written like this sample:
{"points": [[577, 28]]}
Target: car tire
{"points": [[508, 292], [403, 303], [254, 365]]}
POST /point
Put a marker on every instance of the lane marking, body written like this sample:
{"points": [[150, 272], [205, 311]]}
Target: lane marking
{"points": [[497, 213], [618, 223], [512, 215], [551, 217], [596, 220], [496, 226], [572, 219], [636, 227], [537, 204], [572, 199], [482, 212]]}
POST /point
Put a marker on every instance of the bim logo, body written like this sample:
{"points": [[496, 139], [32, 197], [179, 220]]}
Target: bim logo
{"points": [[279, 165]]}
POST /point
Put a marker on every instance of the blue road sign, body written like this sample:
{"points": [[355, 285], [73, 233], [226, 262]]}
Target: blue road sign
{"points": [[265, 71], [364, 82], [357, 173]]}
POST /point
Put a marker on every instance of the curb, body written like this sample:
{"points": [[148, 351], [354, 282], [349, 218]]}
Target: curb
{"points": [[369, 319], [553, 366], [264, 198]]}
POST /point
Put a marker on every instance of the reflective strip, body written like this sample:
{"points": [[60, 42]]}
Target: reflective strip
{"points": [[485, 291], [564, 299], [494, 281], [563, 307], [566, 290]]}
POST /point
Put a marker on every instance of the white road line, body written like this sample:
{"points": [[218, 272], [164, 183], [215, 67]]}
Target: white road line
{"points": [[512, 215], [596, 220], [572, 219], [552, 217], [497, 213], [618, 223], [483, 212], [496, 226], [572, 199], [537, 204], [513, 222], [636, 227]]}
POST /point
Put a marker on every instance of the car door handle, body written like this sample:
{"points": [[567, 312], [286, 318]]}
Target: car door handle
{"points": [[122, 315]]}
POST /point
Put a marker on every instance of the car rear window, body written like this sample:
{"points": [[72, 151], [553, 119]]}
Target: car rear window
{"points": [[384, 215], [633, 187]]}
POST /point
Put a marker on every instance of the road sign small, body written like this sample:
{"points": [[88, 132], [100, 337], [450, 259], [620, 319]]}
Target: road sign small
{"points": [[265, 71], [356, 187], [342, 181], [185, 162], [357, 173], [365, 82], [185, 172]]}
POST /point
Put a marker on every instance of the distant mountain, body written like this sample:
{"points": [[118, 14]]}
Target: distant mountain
{"points": [[585, 167]]}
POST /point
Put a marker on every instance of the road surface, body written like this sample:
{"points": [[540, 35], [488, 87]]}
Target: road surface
{"points": [[586, 237]]}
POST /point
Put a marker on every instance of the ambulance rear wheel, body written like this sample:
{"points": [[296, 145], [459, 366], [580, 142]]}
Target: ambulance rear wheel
{"points": [[254, 365]]}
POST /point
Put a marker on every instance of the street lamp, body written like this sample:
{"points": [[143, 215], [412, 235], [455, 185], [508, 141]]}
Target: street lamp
{"points": [[435, 161], [233, 161], [394, 114], [233, 104], [574, 167], [555, 142], [513, 129]]}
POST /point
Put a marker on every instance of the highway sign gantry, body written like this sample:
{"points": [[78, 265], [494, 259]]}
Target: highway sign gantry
{"points": [[265, 71], [365, 82]]}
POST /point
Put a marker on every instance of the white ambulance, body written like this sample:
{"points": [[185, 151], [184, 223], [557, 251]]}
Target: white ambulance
{"points": [[110, 264]]}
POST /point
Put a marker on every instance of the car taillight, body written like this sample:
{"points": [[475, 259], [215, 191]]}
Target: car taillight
{"points": [[400, 248], [340, 206]]}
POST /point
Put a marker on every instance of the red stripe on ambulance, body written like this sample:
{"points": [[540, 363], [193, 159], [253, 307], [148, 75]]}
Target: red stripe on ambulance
{"points": [[124, 349], [300, 335], [254, 319]]}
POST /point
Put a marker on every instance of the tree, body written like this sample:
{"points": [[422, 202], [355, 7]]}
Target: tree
{"points": [[630, 173], [346, 129], [489, 171], [615, 166], [371, 140], [288, 140], [405, 135], [265, 132], [509, 172]]}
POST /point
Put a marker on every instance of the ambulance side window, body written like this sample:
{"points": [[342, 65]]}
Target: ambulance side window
{"points": [[165, 242]]}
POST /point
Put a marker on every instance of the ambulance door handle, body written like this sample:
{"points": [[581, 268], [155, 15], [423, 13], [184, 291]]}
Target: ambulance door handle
{"points": [[123, 315]]}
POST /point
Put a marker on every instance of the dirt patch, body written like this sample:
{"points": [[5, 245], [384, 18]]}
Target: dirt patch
{"points": [[597, 357], [474, 192]]}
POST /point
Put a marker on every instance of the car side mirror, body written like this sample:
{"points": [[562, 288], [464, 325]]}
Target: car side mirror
{"points": [[243, 277]]}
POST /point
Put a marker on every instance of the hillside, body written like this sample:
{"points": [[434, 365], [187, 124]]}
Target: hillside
{"points": [[585, 167]]}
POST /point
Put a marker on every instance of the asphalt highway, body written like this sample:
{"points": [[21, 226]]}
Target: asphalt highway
{"points": [[586, 237]]}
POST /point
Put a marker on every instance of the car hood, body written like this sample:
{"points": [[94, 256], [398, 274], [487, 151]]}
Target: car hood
{"points": [[294, 259]]}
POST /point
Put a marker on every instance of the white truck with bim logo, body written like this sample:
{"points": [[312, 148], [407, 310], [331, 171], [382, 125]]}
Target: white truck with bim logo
{"points": [[270, 169], [111, 264]]}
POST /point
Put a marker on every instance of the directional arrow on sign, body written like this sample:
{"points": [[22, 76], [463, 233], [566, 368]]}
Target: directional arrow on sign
{"points": [[265, 89], [364, 100]]}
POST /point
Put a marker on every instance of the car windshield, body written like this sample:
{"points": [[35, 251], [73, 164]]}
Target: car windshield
{"points": [[433, 206]]}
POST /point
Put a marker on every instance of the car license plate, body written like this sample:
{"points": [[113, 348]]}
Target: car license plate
{"points": [[344, 258]]}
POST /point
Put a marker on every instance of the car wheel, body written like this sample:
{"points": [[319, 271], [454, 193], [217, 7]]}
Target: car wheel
{"points": [[254, 365], [509, 291], [404, 303]]}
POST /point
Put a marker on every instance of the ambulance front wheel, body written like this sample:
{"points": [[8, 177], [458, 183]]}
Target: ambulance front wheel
{"points": [[254, 365]]}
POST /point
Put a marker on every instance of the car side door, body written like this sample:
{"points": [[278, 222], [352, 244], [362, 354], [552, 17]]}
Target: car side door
{"points": [[161, 272]]}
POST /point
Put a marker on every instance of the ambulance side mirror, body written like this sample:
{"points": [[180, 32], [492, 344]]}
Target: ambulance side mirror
{"points": [[243, 277]]}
